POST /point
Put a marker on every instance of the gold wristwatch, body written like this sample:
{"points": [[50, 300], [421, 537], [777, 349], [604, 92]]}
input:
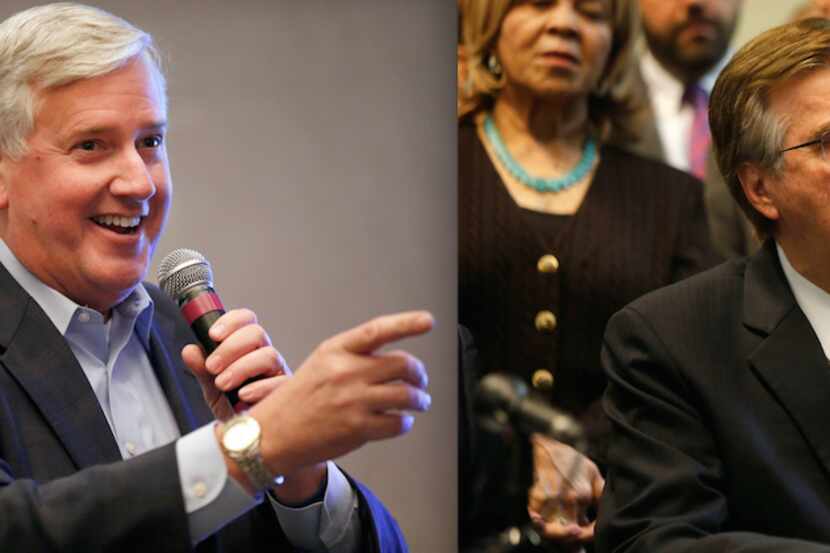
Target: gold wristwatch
{"points": [[240, 440]]}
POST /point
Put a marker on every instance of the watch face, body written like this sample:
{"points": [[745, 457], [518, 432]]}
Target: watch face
{"points": [[241, 434]]}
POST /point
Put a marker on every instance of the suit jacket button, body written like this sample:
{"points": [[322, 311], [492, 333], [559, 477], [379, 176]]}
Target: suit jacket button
{"points": [[542, 380], [545, 322], [548, 264]]}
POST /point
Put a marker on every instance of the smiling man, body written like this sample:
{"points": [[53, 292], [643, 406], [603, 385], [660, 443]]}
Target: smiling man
{"points": [[718, 385], [106, 440], [86, 203]]}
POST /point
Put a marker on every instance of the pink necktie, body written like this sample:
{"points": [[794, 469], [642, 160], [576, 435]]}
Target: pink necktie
{"points": [[700, 137]]}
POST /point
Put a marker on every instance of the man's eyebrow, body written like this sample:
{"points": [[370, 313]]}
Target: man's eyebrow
{"points": [[158, 125], [820, 131], [103, 129]]}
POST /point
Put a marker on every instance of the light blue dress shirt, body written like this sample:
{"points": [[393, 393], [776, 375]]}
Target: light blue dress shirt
{"points": [[113, 356]]}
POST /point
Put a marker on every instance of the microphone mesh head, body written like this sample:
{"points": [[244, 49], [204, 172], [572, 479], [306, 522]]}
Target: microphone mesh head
{"points": [[181, 269]]}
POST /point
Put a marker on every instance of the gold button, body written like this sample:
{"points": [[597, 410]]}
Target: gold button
{"points": [[545, 321], [548, 264], [542, 380]]}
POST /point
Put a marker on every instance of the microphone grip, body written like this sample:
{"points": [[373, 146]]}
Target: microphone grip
{"points": [[201, 327]]}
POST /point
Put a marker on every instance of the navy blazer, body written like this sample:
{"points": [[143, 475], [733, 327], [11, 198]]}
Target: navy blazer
{"points": [[719, 397], [63, 484]]}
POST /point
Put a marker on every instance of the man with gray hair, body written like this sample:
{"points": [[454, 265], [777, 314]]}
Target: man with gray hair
{"points": [[107, 439], [718, 385]]}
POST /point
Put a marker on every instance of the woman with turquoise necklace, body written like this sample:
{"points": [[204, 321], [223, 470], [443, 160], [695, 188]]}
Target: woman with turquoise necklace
{"points": [[557, 230]]}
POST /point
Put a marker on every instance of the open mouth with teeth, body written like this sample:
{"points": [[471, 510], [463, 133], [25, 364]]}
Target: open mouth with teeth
{"points": [[117, 223]]}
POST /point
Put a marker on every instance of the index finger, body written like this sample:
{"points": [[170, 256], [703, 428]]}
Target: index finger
{"points": [[230, 322], [371, 335]]}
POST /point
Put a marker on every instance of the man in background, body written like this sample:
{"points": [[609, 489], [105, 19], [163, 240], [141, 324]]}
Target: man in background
{"points": [[687, 44]]}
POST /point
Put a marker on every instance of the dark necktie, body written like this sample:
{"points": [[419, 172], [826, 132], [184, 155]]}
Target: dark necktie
{"points": [[700, 138]]}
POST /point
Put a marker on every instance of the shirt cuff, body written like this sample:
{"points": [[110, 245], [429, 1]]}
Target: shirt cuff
{"points": [[211, 498], [331, 525]]}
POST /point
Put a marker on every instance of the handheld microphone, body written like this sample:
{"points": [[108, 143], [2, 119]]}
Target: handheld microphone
{"points": [[500, 391], [185, 275]]}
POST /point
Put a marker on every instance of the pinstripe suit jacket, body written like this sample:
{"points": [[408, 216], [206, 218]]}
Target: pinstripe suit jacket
{"points": [[717, 395]]}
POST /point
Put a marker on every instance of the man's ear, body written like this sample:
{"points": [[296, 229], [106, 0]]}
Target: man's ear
{"points": [[4, 181], [755, 183]]}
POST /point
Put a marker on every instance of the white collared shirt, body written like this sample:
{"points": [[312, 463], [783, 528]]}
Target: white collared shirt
{"points": [[813, 301], [672, 116]]}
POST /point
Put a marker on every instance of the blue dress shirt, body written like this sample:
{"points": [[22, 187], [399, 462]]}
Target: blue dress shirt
{"points": [[113, 356]]}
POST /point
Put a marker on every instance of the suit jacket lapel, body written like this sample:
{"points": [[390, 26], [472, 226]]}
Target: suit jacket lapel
{"points": [[39, 359], [789, 359], [180, 387]]}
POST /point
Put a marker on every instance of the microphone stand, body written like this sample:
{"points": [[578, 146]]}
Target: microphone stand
{"points": [[505, 407]]}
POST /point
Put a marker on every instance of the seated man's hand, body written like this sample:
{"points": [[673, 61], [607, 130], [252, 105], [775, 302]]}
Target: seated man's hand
{"points": [[566, 485], [244, 352]]}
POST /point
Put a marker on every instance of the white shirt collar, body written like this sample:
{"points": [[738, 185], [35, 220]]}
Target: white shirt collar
{"points": [[659, 81], [61, 309], [663, 83], [813, 301], [673, 118]]}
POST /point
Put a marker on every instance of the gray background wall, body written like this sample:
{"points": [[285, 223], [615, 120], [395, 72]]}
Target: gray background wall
{"points": [[760, 15], [313, 155]]}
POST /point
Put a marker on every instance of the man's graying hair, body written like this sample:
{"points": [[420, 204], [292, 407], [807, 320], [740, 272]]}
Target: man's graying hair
{"points": [[743, 128], [53, 45]]}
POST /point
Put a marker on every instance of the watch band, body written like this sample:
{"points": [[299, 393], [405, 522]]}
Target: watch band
{"points": [[247, 455], [257, 474]]}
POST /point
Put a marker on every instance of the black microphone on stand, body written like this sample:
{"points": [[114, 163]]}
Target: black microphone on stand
{"points": [[185, 275], [508, 393], [508, 396]]}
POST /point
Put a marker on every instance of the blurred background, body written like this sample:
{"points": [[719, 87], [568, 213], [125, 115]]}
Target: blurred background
{"points": [[760, 15]]}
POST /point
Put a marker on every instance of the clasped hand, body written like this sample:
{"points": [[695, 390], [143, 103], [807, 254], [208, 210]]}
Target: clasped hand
{"points": [[566, 485]]}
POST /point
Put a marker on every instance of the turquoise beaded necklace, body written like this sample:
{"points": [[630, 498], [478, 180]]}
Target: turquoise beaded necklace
{"points": [[589, 152]]}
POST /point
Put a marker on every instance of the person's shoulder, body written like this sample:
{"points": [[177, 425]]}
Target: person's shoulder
{"points": [[693, 324], [469, 145], [658, 172], [695, 303], [467, 127]]}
